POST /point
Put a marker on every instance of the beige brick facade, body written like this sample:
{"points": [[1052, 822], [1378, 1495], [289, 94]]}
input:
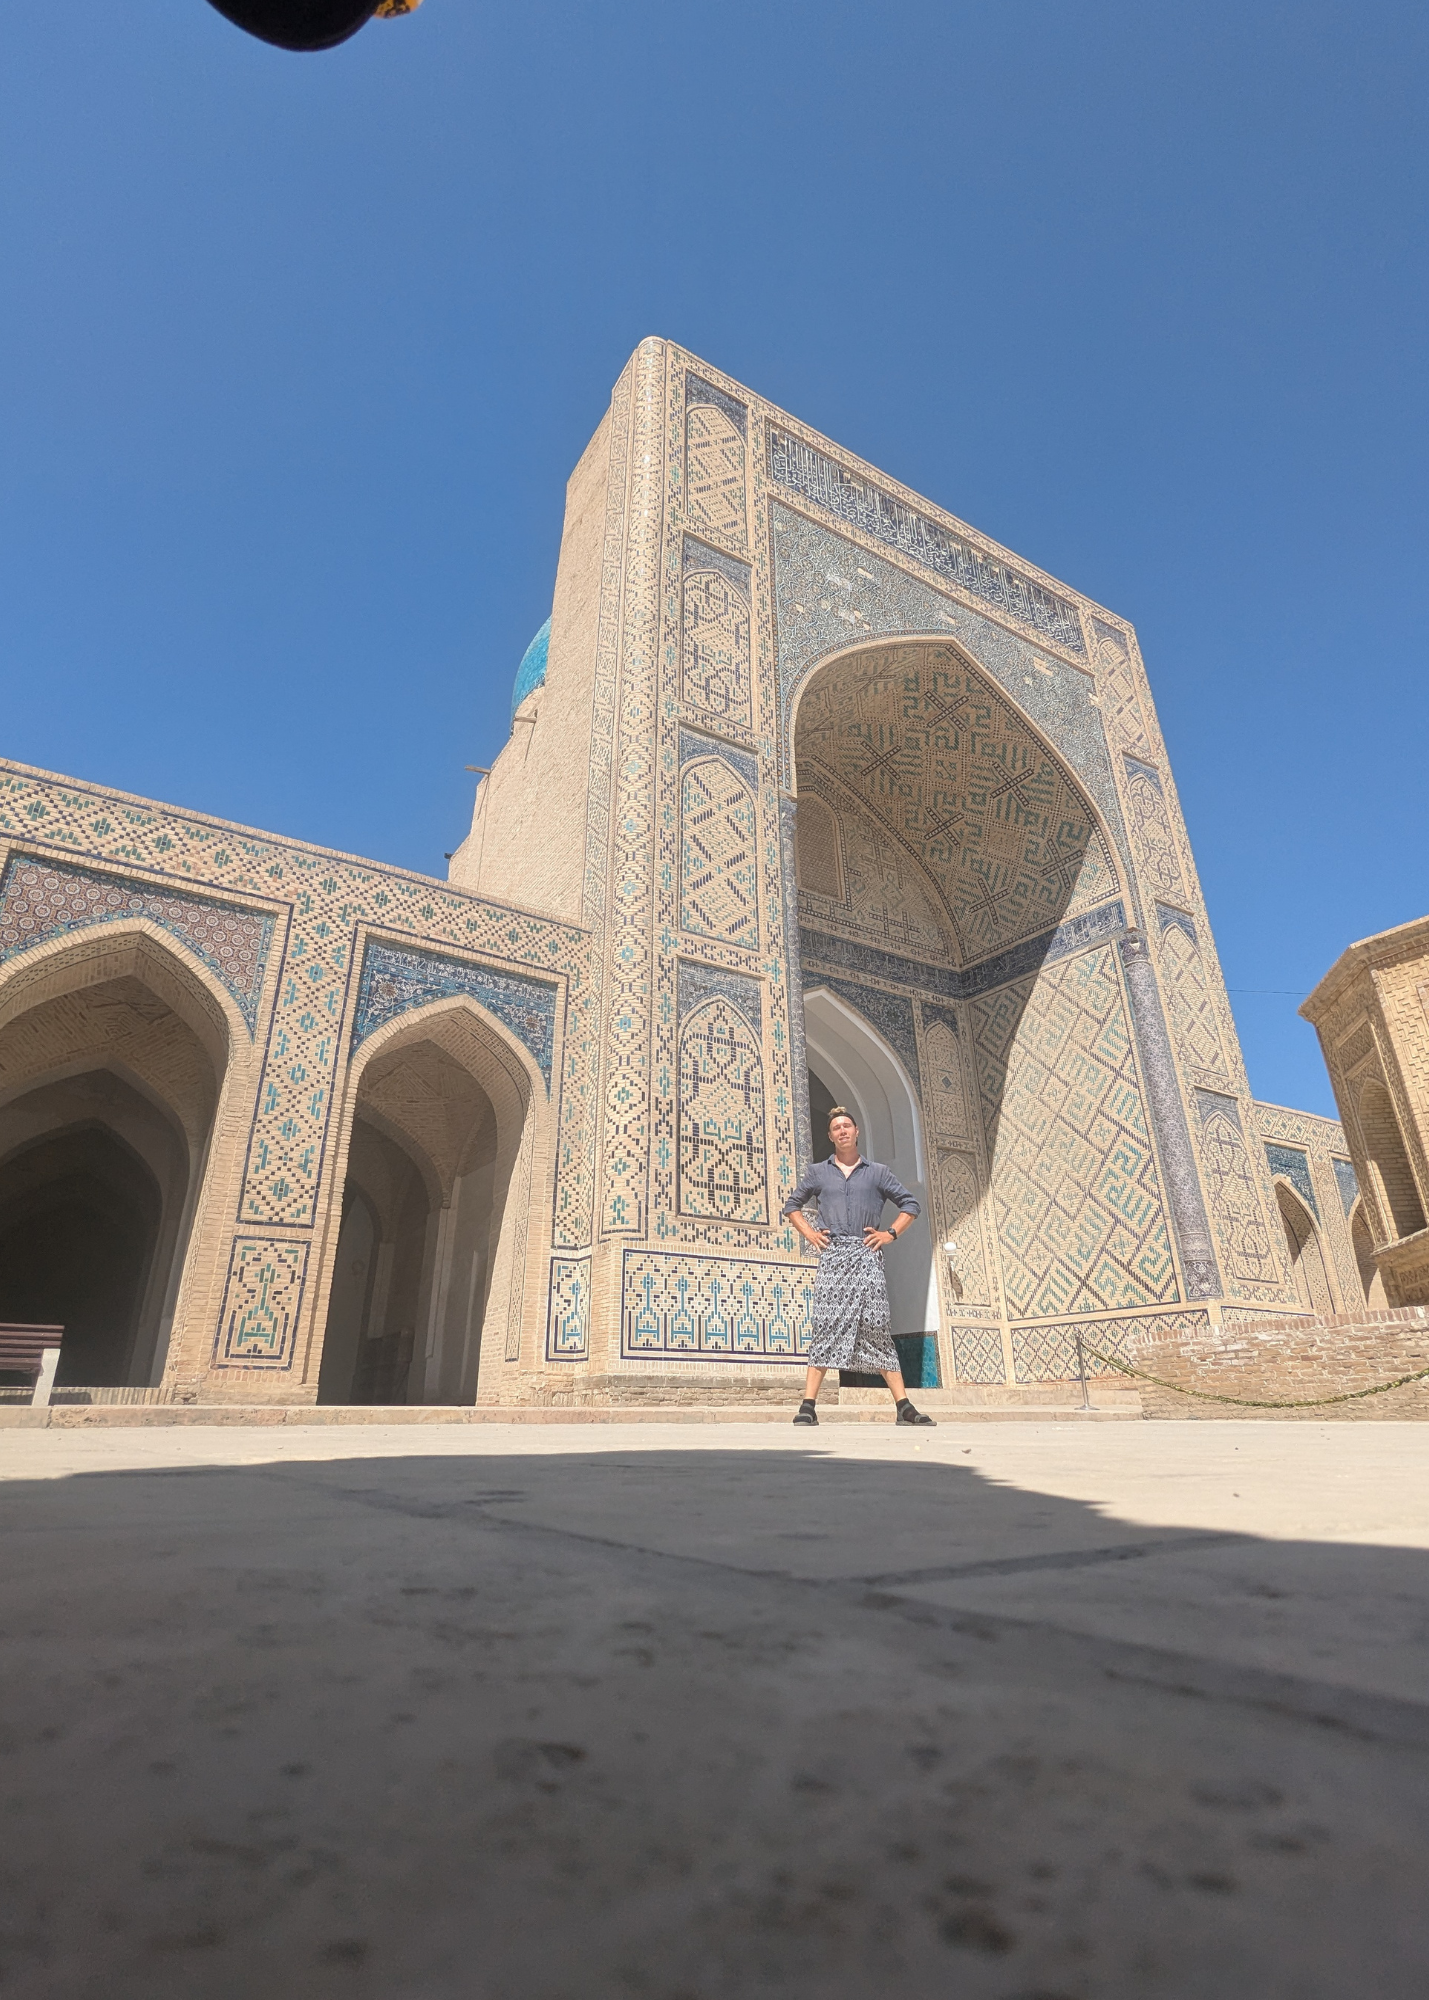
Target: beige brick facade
{"points": [[1371, 1012]]}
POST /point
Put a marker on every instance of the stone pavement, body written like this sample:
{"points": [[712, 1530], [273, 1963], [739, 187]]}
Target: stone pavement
{"points": [[1033, 1712]]}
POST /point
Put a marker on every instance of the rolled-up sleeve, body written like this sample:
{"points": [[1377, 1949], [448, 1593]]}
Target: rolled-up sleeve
{"points": [[892, 1189], [803, 1194]]}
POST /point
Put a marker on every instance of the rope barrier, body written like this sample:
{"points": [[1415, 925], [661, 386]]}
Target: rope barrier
{"points": [[1249, 1403]]}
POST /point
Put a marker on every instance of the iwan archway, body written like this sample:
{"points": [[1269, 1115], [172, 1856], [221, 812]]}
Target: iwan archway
{"points": [[961, 897]]}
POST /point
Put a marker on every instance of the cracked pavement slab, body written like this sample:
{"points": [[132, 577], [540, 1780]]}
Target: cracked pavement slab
{"points": [[1136, 1713]]}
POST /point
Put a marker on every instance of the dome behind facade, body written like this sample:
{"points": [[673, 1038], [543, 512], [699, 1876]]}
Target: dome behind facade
{"points": [[531, 673]]}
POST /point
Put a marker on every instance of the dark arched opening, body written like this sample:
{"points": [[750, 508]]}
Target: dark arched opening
{"points": [[79, 1222]]}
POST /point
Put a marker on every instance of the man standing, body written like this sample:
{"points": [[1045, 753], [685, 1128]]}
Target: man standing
{"points": [[850, 1293]]}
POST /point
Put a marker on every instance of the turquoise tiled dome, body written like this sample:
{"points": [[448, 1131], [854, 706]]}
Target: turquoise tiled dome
{"points": [[531, 673]]}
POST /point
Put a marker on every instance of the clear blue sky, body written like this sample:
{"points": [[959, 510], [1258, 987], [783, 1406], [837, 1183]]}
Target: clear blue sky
{"points": [[298, 352]]}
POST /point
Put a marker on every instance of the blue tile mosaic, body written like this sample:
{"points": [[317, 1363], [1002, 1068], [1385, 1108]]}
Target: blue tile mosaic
{"points": [[1294, 1166], [1347, 1182], [395, 979], [822, 948]]}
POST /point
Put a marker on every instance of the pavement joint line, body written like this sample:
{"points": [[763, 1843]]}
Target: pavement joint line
{"points": [[1062, 1559], [1374, 1718]]}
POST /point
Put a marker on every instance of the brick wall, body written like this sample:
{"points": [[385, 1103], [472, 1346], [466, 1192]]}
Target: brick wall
{"points": [[1293, 1361]]}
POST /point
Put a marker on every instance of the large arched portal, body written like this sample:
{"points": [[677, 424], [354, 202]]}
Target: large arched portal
{"points": [[431, 1265], [942, 846], [112, 1057]]}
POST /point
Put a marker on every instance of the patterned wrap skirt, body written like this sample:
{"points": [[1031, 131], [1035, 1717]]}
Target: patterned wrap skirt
{"points": [[850, 1315]]}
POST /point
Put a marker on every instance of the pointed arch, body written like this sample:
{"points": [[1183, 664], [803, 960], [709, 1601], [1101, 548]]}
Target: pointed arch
{"points": [[1307, 1258]]}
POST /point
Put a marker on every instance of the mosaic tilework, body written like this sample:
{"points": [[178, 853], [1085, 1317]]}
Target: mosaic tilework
{"points": [[42, 899], [626, 1121], [1077, 1202], [950, 1126], [719, 876], [1049, 1353], [723, 1170], [1120, 689], [1151, 833], [959, 1191], [568, 1319], [930, 746], [1294, 1167], [874, 891], [715, 672], [1247, 1250], [1190, 997], [813, 475], [1347, 1183], [395, 979], [890, 1013], [832, 590], [714, 474], [802, 1153], [259, 1321], [1107, 921], [698, 390], [680, 1305], [699, 982], [977, 1354], [329, 895]]}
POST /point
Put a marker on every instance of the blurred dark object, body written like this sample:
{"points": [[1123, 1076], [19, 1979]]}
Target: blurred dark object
{"points": [[307, 24]]}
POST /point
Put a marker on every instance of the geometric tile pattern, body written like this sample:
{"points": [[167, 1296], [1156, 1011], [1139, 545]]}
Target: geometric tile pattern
{"points": [[687, 1305], [722, 1142], [1151, 833], [1346, 1181], [933, 748], [46, 899], [394, 981], [1248, 1252], [259, 1321], [874, 890], [714, 474], [568, 1326], [1294, 1166], [1189, 994], [718, 842], [1120, 693], [328, 896], [977, 1354], [714, 650], [1079, 1217], [891, 1014], [1049, 1353], [803, 469]]}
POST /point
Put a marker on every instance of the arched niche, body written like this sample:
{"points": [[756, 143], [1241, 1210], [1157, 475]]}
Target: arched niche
{"points": [[1362, 1243], [856, 1067], [442, 1223], [115, 1054], [1399, 1198], [1307, 1259]]}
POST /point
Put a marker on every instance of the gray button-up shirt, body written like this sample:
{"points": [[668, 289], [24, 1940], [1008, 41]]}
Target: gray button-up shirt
{"points": [[850, 1204]]}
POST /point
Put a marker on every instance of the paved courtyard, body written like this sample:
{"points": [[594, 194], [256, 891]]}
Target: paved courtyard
{"points": [[1029, 1712]]}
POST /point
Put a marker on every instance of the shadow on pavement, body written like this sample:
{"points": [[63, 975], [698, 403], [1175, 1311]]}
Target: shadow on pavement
{"points": [[691, 1724]]}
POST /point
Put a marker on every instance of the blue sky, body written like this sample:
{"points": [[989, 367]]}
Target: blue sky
{"points": [[298, 352]]}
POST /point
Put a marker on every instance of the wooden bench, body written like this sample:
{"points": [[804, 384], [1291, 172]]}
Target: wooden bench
{"points": [[32, 1351]]}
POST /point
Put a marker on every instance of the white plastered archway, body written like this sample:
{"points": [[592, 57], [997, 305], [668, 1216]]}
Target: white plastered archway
{"points": [[853, 1060]]}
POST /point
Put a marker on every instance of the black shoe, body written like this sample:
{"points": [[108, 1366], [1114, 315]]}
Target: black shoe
{"points": [[807, 1413], [908, 1415]]}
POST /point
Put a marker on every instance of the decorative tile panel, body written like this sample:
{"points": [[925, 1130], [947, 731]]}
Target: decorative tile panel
{"points": [[891, 1014], [719, 876], [977, 1354], [1075, 1191], [1190, 995], [259, 1322], [802, 469], [715, 499], [1151, 833], [818, 948], [395, 979], [723, 1171], [1294, 1167], [42, 899], [568, 1322], [1248, 1253], [1049, 1353], [714, 635], [1119, 685], [680, 1305]]}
